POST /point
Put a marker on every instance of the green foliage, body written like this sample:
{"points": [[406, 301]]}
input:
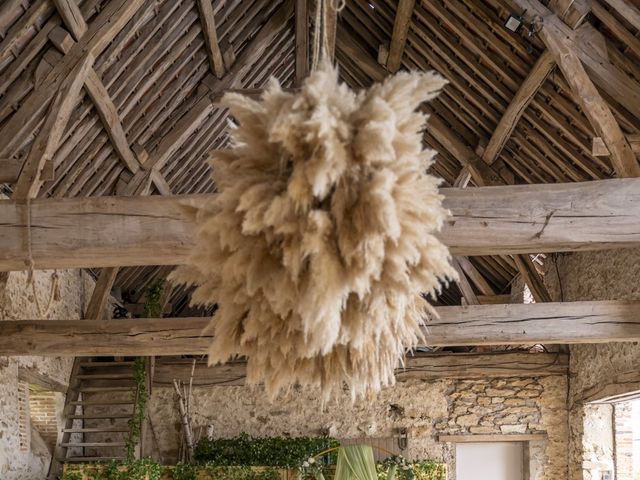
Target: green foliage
{"points": [[406, 470], [140, 398], [153, 295], [217, 472], [147, 469], [184, 471], [143, 469], [271, 451], [71, 475], [393, 468]]}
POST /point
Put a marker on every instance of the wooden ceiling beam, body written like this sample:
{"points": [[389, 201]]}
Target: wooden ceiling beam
{"points": [[571, 12], [463, 283], [512, 324], [74, 232], [100, 33], [208, 94], [616, 83], [588, 97], [532, 278], [72, 17], [105, 107], [528, 89], [302, 41], [208, 21], [401, 26], [101, 293], [419, 366], [627, 11], [46, 142]]}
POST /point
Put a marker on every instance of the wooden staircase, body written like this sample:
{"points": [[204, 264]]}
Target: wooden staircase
{"points": [[100, 402]]}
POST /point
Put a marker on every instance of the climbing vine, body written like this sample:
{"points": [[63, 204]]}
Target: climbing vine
{"points": [[139, 396], [153, 296]]}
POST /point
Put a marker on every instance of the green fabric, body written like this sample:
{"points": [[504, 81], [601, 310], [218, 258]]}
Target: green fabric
{"points": [[356, 462]]}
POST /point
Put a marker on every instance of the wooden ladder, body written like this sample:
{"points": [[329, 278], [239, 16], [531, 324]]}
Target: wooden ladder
{"points": [[99, 403]]}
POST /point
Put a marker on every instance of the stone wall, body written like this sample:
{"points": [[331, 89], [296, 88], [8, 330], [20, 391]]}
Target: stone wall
{"points": [[48, 298], [425, 409], [623, 440], [604, 275]]}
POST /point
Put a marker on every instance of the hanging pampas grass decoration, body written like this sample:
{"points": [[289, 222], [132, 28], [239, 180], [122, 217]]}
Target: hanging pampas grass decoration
{"points": [[320, 240]]}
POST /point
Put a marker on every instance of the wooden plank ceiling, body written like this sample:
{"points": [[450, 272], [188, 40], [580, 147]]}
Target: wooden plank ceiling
{"points": [[145, 119]]}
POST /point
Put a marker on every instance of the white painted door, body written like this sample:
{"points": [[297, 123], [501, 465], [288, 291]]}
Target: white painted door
{"points": [[489, 461]]}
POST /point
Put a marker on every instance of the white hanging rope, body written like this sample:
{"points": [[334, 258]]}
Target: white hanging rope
{"points": [[321, 33], [30, 263]]}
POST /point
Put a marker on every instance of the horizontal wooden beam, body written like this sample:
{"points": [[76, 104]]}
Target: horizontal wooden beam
{"points": [[420, 366], [513, 324], [119, 231], [619, 388], [34, 377]]}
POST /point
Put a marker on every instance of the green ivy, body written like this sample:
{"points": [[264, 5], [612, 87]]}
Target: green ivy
{"points": [[147, 469], [241, 473], [140, 397], [271, 451], [143, 469], [153, 295], [185, 471]]}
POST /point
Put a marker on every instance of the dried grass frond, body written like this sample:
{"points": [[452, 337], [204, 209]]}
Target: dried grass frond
{"points": [[322, 236]]}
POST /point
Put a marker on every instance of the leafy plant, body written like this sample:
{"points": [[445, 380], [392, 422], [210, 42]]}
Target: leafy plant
{"points": [[153, 296], [140, 397], [143, 469], [271, 451], [241, 473], [404, 469], [184, 471]]}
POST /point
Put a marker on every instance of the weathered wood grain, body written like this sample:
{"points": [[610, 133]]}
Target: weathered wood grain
{"points": [[302, 41], [48, 139], [564, 52], [622, 387], [529, 88], [118, 231], [419, 366], [552, 323], [401, 26], [208, 21], [513, 324]]}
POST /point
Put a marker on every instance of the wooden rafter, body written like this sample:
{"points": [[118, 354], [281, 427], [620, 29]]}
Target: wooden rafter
{"points": [[302, 41], [209, 93], [532, 278], [518, 105], [72, 17], [476, 277], [627, 11], [207, 18], [48, 139], [593, 105], [99, 34], [401, 26], [550, 323], [69, 233], [104, 105], [571, 12], [559, 40], [101, 293], [463, 283]]}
